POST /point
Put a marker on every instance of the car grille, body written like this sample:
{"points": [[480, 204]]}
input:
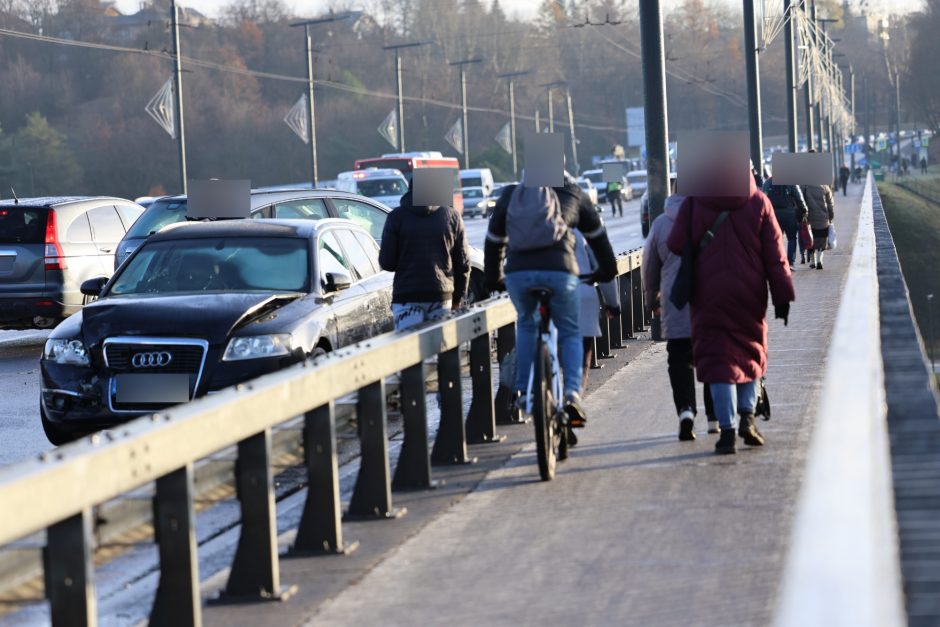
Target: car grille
{"points": [[182, 358]]}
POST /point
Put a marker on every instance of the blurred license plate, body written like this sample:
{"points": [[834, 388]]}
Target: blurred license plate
{"points": [[151, 388]]}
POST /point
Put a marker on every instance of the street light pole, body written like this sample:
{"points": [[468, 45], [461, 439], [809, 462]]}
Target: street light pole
{"points": [[401, 101], [463, 99], [808, 95], [311, 104], [897, 115], [792, 88], [752, 68], [654, 96], [512, 116], [551, 112], [178, 84], [575, 167]]}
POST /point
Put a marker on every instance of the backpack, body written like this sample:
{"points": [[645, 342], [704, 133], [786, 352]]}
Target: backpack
{"points": [[780, 198], [534, 219]]}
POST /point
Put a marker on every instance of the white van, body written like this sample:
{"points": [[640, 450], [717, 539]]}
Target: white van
{"points": [[477, 177], [386, 185]]}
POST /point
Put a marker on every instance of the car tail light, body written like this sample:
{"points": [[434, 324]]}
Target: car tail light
{"points": [[55, 258]]}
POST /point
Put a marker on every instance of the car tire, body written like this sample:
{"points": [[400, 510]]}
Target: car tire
{"points": [[54, 433]]}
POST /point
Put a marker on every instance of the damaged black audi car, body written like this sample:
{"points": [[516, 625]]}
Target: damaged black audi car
{"points": [[201, 306]]}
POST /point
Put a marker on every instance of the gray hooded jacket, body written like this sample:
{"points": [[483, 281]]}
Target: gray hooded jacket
{"points": [[660, 267]]}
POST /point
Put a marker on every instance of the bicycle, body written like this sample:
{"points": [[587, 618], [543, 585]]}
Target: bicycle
{"points": [[544, 400]]}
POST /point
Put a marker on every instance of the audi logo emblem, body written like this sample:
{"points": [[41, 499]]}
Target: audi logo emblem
{"points": [[157, 359]]}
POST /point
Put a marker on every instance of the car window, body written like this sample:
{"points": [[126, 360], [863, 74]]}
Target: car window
{"points": [[215, 265], [370, 218], [129, 214], [396, 186], [307, 209], [79, 231], [358, 258], [473, 193], [106, 225], [157, 216], [371, 248], [330, 257], [22, 226]]}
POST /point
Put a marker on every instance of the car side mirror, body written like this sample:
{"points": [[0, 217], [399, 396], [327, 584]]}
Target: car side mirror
{"points": [[337, 281], [93, 287]]}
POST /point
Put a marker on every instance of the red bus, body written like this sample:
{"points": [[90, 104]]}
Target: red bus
{"points": [[410, 161]]}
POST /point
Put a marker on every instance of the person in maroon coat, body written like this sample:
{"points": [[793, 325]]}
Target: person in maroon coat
{"points": [[729, 305]]}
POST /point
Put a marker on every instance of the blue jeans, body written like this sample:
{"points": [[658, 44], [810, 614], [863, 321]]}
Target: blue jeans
{"points": [[790, 228], [564, 312], [728, 399]]}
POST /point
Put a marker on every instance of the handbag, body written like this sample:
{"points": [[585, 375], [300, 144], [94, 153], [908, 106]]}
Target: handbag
{"points": [[762, 407], [806, 236], [683, 286], [833, 242]]}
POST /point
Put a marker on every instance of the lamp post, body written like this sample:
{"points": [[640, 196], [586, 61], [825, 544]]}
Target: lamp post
{"points": [[311, 106], [512, 116], [463, 100], [401, 104]]}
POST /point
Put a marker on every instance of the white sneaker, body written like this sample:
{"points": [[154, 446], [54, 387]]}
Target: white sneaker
{"points": [[713, 426]]}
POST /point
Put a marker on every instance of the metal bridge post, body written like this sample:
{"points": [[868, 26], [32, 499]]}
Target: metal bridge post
{"points": [[639, 318], [255, 574], [602, 343], [615, 328], [69, 572], [372, 496], [594, 364], [414, 461], [506, 414], [321, 531], [625, 283], [481, 419], [450, 445], [174, 527]]}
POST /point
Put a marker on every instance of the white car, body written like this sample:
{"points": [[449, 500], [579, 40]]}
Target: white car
{"points": [[637, 181], [385, 185], [589, 189]]}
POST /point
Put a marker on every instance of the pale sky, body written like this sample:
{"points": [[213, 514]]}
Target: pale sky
{"points": [[520, 8]]}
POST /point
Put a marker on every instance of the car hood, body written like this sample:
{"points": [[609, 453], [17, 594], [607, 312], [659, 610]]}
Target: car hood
{"points": [[209, 316]]}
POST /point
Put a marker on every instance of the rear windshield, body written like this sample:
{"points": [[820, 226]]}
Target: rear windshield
{"points": [[157, 216], [22, 225], [383, 187], [471, 181], [236, 264]]}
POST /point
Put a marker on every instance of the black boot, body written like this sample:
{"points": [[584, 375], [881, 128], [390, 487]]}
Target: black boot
{"points": [[725, 444], [748, 431]]}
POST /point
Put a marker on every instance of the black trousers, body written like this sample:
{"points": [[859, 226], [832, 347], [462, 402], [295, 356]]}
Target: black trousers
{"points": [[682, 377], [616, 202]]}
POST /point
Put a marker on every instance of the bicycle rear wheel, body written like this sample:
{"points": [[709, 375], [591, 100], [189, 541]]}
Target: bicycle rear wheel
{"points": [[543, 413]]}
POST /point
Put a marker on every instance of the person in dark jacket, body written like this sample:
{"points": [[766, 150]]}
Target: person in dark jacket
{"points": [[790, 208], [554, 267], [426, 248], [844, 174], [731, 275]]}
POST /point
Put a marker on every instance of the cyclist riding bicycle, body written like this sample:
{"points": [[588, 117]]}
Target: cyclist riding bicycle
{"points": [[535, 224]]}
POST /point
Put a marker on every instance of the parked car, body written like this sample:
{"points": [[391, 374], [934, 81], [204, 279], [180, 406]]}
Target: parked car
{"points": [[48, 247], [201, 306], [385, 185], [290, 204], [476, 202], [589, 189]]}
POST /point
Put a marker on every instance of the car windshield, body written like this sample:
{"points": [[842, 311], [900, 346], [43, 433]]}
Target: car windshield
{"points": [[383, 187], [157, 216], [594, 177], [473, 193], [239, 264], [22, 226]]}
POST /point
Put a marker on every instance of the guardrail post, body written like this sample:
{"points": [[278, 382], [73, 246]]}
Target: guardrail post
{"points": [[506, 414], [69, 572], [450, 445], [481, 419], [594, 364], [602, 343], [615, 330], [174, 527], [639, 320], [255, 574], [414, 461], [372, 496], [625, 283], [321, 531]]}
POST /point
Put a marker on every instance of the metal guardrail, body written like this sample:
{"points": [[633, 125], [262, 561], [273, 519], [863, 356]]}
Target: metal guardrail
{"points": [[843, 566], [58, 491]]}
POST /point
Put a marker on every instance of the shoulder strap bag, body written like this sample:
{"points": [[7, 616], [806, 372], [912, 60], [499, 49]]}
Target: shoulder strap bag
{"points": [[683, 287]]}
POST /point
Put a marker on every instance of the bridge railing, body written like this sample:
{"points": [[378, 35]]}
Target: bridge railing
{"points": [[57, 492]]}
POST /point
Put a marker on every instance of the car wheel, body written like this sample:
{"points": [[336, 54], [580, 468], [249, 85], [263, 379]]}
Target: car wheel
{"points": [[319, 351], [54, 433]]}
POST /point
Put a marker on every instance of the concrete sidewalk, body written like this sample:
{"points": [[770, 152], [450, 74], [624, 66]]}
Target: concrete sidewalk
{"points": [[638, 528]]}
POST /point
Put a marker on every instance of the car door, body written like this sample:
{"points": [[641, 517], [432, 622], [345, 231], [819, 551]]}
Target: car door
{"points": [[375, 283], [362, 214], [81, 257], [107, 231], [348, 305]]}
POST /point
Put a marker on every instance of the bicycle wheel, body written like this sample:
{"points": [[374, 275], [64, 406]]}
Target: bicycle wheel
{"points": [[543, 413]]}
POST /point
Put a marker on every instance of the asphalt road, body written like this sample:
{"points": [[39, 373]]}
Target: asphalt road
{"points": [[20, 431]]}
